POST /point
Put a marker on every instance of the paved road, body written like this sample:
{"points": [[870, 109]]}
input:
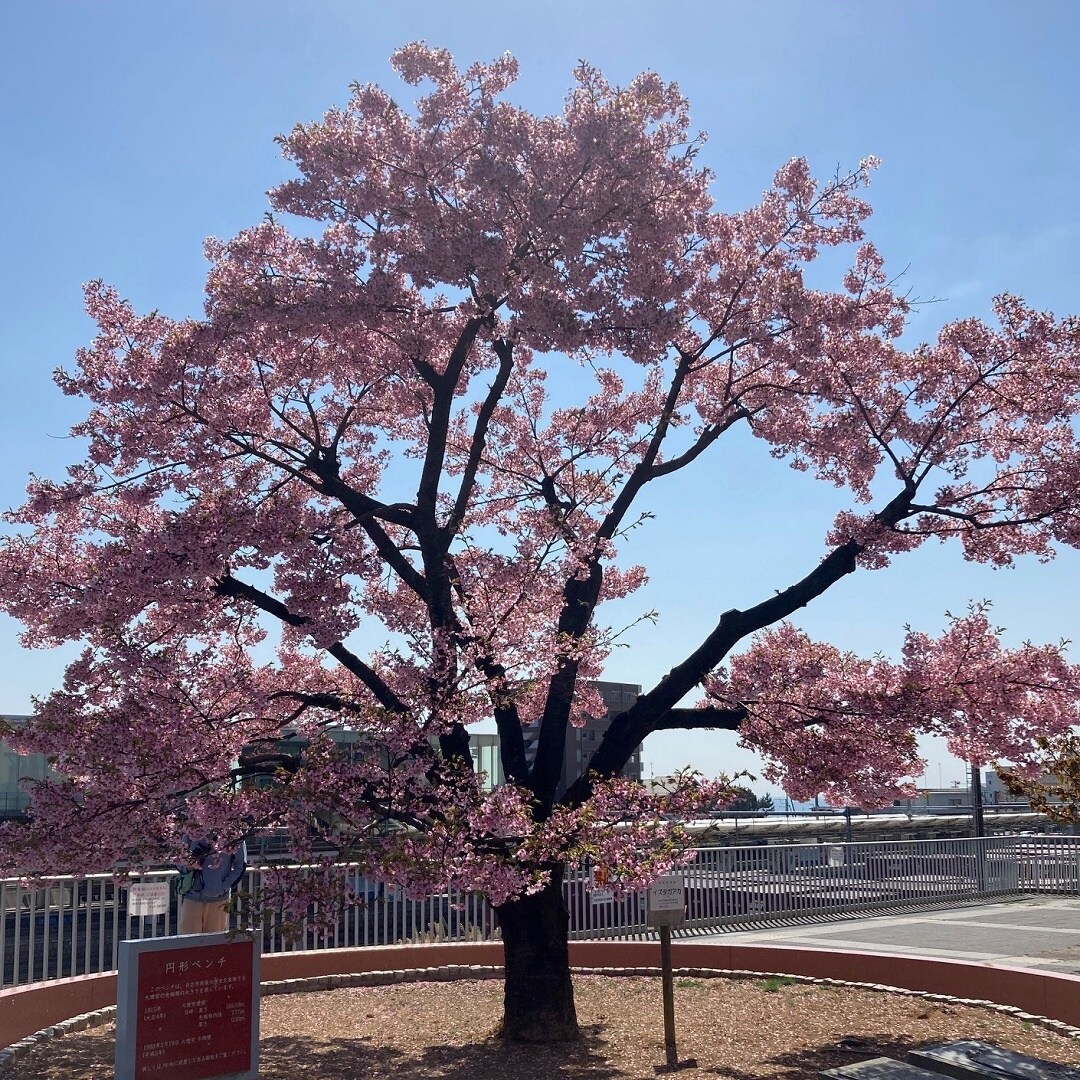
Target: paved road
{"points": [[1031, 932]]}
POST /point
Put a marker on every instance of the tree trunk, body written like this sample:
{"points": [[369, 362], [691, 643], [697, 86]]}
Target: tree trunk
{"points": [[538, 1002]]}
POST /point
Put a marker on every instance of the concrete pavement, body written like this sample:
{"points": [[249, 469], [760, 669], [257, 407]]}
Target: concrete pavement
{"points": [[1032, 932]]}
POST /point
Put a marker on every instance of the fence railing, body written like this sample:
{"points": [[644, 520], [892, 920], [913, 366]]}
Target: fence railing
{"points": [[73, 926], [732, 886]]}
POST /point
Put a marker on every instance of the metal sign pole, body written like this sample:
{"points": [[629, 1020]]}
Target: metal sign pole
{"points": [[667, 908], [670, 1052]]}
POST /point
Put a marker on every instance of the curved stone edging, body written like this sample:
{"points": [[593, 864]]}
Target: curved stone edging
{"points": [[312, 984], [81, 1022], [953, 971]]}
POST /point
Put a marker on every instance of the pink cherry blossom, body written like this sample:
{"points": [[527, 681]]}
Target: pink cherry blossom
{"points": [[324, 528]]}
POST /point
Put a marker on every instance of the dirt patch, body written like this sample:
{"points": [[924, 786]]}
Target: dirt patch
{"points": [[739, 1029]]}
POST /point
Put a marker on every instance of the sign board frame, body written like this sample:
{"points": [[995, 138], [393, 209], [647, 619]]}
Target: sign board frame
{"points": [[667, 901], [162, 982]]}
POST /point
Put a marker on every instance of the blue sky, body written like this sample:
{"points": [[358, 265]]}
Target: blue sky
{"points": [[130, 131]]}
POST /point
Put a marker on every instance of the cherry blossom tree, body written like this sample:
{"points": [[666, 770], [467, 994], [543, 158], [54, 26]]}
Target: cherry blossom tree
{"points": [[813, 710], [326, 527], [1051, 780]]}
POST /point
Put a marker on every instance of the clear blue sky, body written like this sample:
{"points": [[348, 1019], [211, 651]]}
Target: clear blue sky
{"points": [[130, 131]]}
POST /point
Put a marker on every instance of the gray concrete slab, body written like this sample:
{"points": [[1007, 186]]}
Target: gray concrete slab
{"points": [[1041, 933], [1046, 917], [968, 1059], [879, 1069], [941, 937]]}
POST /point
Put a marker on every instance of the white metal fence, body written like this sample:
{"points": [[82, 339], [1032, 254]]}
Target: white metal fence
{"points": [[72, 926], [733, 886]]}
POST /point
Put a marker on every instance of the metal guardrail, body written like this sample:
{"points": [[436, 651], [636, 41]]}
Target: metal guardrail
{"points": [[732, 886], [73, 926]]}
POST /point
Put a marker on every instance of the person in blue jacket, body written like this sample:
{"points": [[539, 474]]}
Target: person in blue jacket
{"points": [[206, 887]]}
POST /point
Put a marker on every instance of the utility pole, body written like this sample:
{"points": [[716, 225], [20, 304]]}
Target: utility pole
{"points": [[978, 826]]}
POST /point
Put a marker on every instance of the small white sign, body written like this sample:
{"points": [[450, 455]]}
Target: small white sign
{"points": [[666, 894], [600, 892], [667, 902], [148, 898]]}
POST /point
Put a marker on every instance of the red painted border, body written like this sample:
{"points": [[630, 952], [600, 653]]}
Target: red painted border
{"points": [[26, 1009]]}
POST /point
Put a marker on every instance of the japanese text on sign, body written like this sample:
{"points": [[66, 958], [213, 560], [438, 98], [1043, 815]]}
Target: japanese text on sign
{"points": [[666, 894], [147, 898], [600, 889], [189, 1009], [667, 901]]}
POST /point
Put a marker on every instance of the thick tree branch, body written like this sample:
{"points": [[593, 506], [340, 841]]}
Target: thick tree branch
{"points": [[709, 717], [364, 511], [331, 702], [505, 353], [233, 587], [579, 601], [704, 441], [268, 764], [444, 387], [454, 746], [229, 586], [627, 731], [512, 746]]}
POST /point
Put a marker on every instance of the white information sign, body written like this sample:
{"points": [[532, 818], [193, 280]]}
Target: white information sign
{"points": [[147, 898], [666, 894], [667, 901]]}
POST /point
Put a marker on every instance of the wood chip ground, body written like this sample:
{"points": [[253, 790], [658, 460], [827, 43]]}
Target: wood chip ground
{"points": [[739, 1029]]}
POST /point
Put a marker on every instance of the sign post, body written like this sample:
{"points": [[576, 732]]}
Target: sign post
{"points": [[667, 908], [188, 1008]]}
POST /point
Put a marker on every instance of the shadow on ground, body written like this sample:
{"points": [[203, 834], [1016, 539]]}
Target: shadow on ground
{"points": [[807, 1064], [288, 1057], [292, 1058]]}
